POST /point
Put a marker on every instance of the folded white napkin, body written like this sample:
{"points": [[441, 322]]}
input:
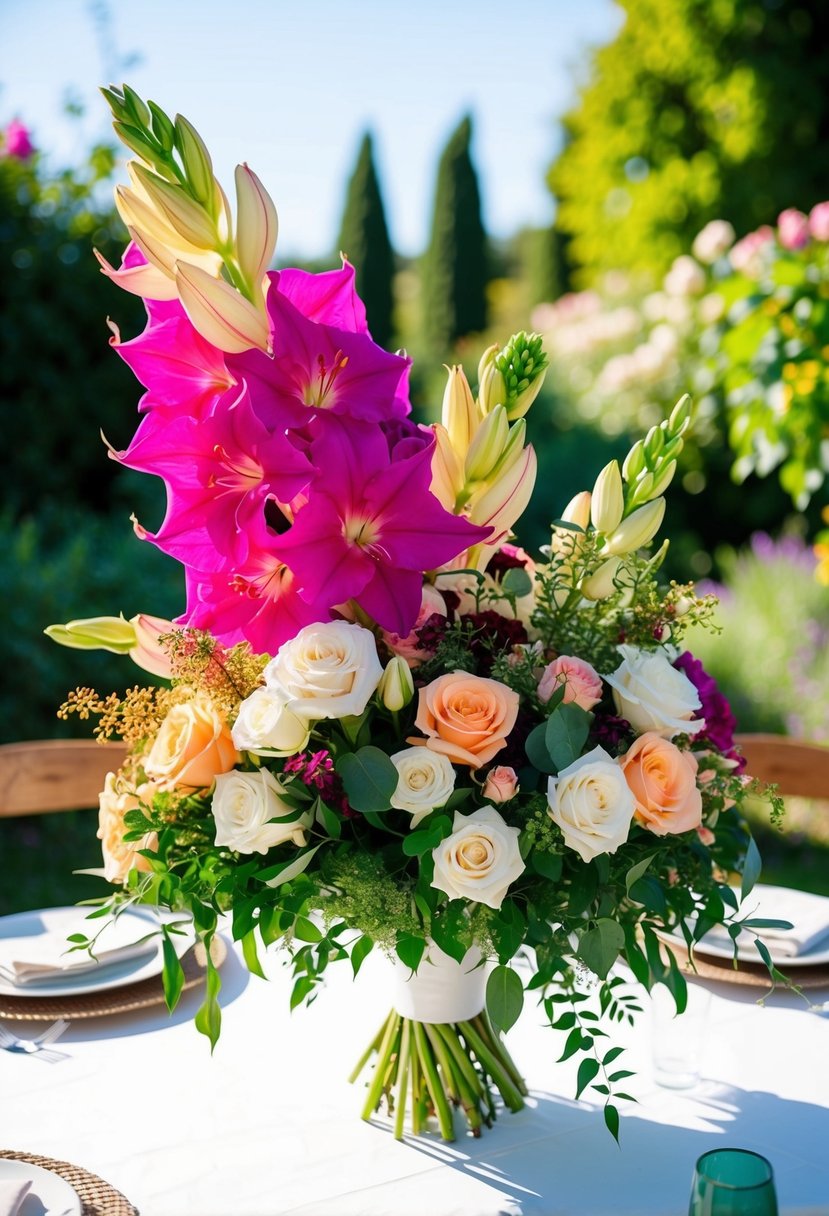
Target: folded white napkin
{"points": [[807, 913], [28, 961], [12, 1194]]}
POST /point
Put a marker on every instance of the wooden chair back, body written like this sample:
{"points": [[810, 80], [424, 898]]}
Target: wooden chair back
{"points": [[54, 774], [798, 769]]}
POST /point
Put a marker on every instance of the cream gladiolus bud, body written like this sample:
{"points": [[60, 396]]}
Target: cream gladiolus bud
{"points": [[564, 542], [459, 415], [663, 480], [577, 510], [148, 653], [608, 501], [638, 529], [197, 162], [447, 470], [601, 583], [396, 688], [184, 216], [219, 312], [492, 388], [488, 445], [509, 496], [257, 225]]}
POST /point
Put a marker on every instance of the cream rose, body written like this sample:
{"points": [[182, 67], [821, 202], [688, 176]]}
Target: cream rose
{"points": [[121, 856], [663, 780], [652, 695], [329, 670], [592, 804], [426, 779], [480, 860], [266, 727], [243, 805], [192, 746], [466, 717]]}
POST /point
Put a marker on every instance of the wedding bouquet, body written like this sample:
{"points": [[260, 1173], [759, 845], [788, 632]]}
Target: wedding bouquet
{"points": [[381, 724]]}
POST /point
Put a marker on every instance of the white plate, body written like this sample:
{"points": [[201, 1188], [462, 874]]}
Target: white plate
{"points": [[747, 951], [58, 922], [50, 1194]]}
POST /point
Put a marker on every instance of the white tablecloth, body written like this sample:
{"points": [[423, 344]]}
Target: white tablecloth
{"points": [[269, 1125]]}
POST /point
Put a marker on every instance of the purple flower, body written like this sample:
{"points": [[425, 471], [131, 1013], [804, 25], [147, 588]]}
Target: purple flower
{"points": [[719, 720]]}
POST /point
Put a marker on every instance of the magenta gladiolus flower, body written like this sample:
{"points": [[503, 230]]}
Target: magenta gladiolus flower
{"points": [[316, 366], [17, 140], [371, 526], [329, 298], [220, 471]]}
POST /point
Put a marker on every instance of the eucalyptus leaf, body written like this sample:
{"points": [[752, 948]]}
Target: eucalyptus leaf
{"points": [[517, 582], [599, 947], [565, 734], [369, 778], [751, 868], [504, 998]]}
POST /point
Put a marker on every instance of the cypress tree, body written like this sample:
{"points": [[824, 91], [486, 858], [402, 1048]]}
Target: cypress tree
{"points": [[455, 268], [364, 239]]}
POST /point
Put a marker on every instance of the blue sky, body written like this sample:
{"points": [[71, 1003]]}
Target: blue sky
{"points": [[289, 87]]}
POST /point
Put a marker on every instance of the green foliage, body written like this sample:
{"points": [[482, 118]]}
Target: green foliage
{"points": [[455, 266], [364, 239], [698, 109], [58, 386]]}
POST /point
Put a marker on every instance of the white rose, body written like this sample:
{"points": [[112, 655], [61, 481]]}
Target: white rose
{"points": [[653, 695], [425, 781], [329, 670], [479, 860], [267, 727], [592, 804], [243, 804]]}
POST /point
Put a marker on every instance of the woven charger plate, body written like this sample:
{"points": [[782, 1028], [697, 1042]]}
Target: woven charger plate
{"points": [[114, 1000], [98, 1197], [753, 975]]}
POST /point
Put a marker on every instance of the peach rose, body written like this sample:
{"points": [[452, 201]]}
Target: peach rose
{"points": [[192, 747], [582, 684], [121, 856], [663, 781], [465, 717]]}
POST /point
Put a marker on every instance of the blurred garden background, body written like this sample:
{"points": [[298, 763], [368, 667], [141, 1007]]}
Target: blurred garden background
{"points": [[645, 183]]}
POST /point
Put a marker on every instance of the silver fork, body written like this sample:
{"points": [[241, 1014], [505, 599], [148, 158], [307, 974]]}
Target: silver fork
{"points": [[38, 1045]]}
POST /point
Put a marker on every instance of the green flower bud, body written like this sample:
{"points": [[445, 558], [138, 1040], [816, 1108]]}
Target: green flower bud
{"points": [[634, 461], [638, 529], [111, 633], [680, 415], [396, 688], [488, 446]]}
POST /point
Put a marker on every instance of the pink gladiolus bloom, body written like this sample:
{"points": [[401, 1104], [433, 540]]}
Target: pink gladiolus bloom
{"points": [[137, 276], [257, 603], [180, 369], [317, 367], [371, 526], [220, 471], [17, 140], [329, 298], [793, 228]]}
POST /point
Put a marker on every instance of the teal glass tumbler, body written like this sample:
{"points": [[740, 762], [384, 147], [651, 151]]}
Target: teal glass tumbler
{"points": [[733, 1182]]}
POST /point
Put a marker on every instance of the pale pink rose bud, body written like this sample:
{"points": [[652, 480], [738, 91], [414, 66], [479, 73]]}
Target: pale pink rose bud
{"points": [[706, 836], [501, 784], [819, 222], [792, 228], [745, 257], [582, 685]]}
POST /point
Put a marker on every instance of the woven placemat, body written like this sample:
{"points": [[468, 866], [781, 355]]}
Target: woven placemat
{"points": [[752, 975], [112, 1000], [98, 1197]]}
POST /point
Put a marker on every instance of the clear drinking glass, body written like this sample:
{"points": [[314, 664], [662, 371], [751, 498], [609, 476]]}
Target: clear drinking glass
{"points": [[733, 1182]]}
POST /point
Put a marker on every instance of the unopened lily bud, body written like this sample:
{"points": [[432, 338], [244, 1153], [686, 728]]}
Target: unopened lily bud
{"points": [[638, 529], [148, 652], [197, 163], [521, 365], [184, 216], [521, 404], [396, 686], [577, 510], [136, 141], [111, 633], [601, 583], [459, 415], [608, 501], [507, 499], [654, 443], [634, 461], [256, 225], [488, 445], [642, 489], [512, 449], [219, 312]]}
